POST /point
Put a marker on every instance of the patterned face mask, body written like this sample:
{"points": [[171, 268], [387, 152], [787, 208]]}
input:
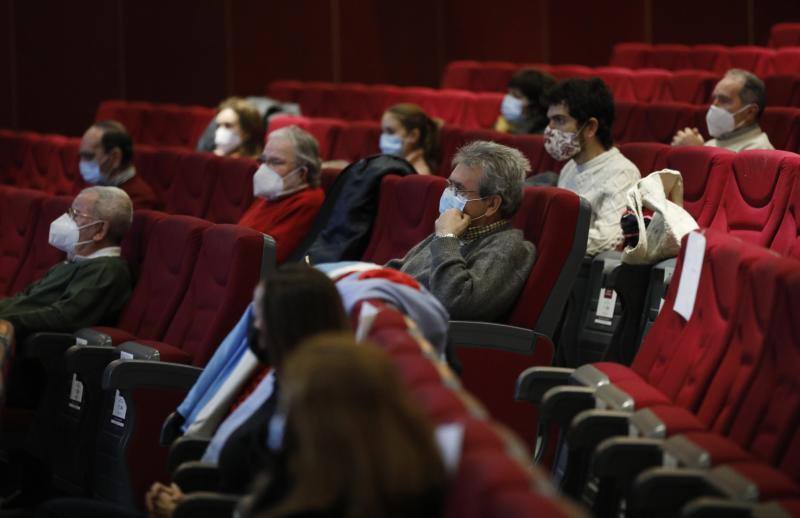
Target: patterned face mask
{"points": [[561, 145]]}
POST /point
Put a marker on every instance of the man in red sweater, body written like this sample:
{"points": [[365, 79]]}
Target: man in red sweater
{"points": [[286, 186], [106, 155]]}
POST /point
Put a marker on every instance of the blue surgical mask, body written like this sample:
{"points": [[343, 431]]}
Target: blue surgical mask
{"points": [[391, 144], [90, 171], [451, 200], [512, 108]]}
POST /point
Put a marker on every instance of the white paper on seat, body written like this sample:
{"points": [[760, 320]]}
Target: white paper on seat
{"points": [[450, 439], [690, 275]]}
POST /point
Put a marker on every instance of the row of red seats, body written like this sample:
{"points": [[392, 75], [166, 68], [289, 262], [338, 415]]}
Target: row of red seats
{"points": [[762, 61], [159, 124], [784, 35], [203, 185], [171, 243], [493, 477], [643, 85], [719, 386]]}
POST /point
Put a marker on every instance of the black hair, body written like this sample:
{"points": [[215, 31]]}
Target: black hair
{"points": [[584, 99], [532, 83], [116, 136]]}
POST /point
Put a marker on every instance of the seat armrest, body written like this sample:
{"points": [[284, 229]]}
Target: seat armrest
{"points": [[465, 333], [533, 382], [196, 476], [206, 504], [590, 427], [679, 450], [562, 404], [89, 336], [611, 397], [131, 374], [171, 429], [135, 351], [648, 424], [186, 449], [709, 507], [661, 490], [624, 458], [590, 376], [729, 483]]}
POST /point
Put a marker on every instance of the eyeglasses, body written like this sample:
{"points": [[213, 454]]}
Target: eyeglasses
{"points": [[72, 213], [459, 192]]}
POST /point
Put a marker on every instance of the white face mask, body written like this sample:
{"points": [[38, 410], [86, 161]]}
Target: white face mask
{"points": [[391, 144], [64, 233], [720, 121], [512, 108], [269, 184], [226, 140], [561, 145]]}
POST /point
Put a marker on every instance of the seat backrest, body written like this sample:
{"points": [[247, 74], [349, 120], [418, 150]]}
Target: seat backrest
{"points": [[670, 57], [183, 180], [715, 58], [356, 140], [784, 35], [226, 272], [786, 61], [630, 55], [42, 256], [19, 213], [705, 170], [647, 156], [690, 86], [655, 122], [679, 357], [457, 74], [556, 221], [782, 90], [136, 241], [407, 208], [787, 238], [757, 60], [756, 195], [325, 130], [167, 267], [232, 192], [782, 126], [129, 114]]}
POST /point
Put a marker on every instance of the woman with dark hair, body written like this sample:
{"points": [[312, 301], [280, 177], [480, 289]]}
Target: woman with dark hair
{"points": [[353, 442], [522, 110], [408, 132], [292, 304], [240, 129]]}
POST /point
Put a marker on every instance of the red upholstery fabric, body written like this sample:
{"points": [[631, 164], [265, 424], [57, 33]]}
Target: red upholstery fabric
{"points": [[657, 122], [784, 35], [407, 208], [41, 256], [326, 131], [232, 191], [782, 125], [756, 59], [136, 241], [670, 57], [705, 171], [787, 238], [691, 86], [755, 196], [629, 55], [523, 504], [159, 124], [770, 482], [439, 402], [786, 61], [480, 475], [165, 273], [648, 156], [19, 212], [782, 90], [357, 139], [227, 270]]}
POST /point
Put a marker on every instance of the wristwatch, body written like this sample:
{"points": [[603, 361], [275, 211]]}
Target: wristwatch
{"points": [[449, 234]]}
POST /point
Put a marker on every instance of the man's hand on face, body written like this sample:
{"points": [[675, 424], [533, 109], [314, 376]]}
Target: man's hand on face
{"points": [[452, 221], [688, 137]]}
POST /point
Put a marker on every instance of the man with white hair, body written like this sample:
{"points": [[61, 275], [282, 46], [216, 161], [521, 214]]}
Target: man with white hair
{"points": [[475, 262], [93, 284], [286, 187], [737, 104]]}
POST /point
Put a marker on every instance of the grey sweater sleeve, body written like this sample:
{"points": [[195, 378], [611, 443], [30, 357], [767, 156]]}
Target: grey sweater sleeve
{"points": [[485, 285]]}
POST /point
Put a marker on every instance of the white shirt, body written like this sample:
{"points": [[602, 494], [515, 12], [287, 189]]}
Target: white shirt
{"points": [[109, 251], [604, 181], [742, 139]]}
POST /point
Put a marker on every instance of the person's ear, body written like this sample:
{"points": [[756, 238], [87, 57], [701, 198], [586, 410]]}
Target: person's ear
{"points": [[413, 137], [115, 158], [495, 201], [102, 233], [590, 129]]}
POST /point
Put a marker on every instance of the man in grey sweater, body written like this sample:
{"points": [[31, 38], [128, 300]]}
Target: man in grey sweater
{"points": [[475, 263]]}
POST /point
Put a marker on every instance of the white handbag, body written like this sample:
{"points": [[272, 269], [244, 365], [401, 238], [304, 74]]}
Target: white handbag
{"points": [[662, 193]]}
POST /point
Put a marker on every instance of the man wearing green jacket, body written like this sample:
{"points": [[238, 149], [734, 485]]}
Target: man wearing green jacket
{"points": [[93, 284]]}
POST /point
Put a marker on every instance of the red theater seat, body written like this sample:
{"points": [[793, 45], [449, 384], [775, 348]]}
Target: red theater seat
{"points": [[647, 156], [670, 57], [19, 213], [782, 125], [715, 58], [690, 86], [407, 208], [357, 139], [705, 171], [786, 61], [784, 35], [630, 55], [782, 90], [326, 131], [164, 276], [232, 192], [756, 195], [755, 59]]}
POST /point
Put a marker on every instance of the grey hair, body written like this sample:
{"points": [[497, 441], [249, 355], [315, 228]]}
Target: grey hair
{"points": [[753, 91], [503, 171], [306, 150], [114, 206]]}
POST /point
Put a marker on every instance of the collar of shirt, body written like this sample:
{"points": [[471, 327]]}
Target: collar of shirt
{"points": [[122, 176], [744, 132], [109, 251], [473, 233]]}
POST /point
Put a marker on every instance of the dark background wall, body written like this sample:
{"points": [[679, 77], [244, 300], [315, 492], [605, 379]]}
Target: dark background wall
{"points": [[58, 59]]}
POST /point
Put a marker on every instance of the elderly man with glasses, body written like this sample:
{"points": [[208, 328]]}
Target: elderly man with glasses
{"points": [[92, 285], [475, 262]]}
